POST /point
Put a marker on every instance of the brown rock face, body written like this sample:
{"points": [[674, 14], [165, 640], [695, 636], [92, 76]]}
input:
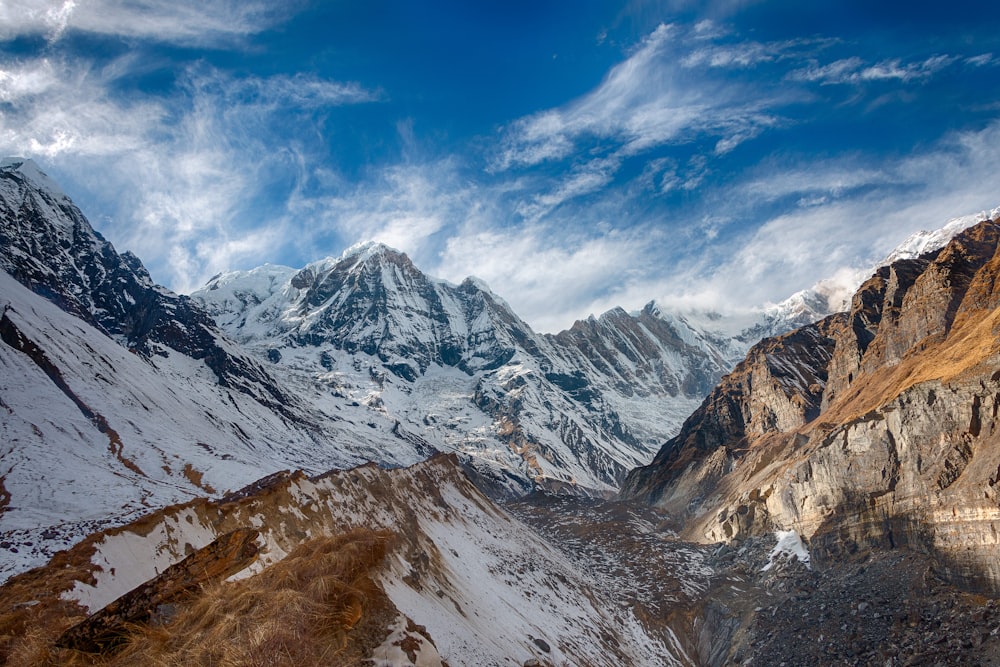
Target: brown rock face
{"points": [[877, 427], [777, 388]]}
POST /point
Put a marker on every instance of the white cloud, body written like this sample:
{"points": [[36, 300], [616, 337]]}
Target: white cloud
{"points": [[836, 72], [854, 216], [855, 70], [176, 21], [829, 179], [404, 206], [663, 93], [55, 107], [298, 91], [637, 104], [747, 54], [21, 80], [893, 69], [583, 180]]}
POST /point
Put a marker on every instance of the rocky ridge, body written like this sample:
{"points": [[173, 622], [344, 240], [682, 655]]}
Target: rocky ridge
{"points": [[483, 587], [880, 434]]}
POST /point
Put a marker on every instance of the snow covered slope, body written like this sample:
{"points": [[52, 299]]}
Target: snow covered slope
{"points": [[117, 396], [488, 589], [454, 364]]}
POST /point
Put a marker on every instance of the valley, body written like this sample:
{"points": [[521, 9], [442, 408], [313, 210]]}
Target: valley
{"points": [[408, 459]]}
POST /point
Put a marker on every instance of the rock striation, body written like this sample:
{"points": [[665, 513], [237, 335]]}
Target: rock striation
{"points": [[873, 428]]}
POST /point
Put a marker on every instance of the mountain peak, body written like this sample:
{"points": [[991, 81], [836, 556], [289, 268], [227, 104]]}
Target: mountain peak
{"points": [[927, 241], [366, 250], [30, 171], [477, 283]]}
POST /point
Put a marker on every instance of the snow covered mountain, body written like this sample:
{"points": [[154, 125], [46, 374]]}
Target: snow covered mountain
{"points": [[455, 365], [117, 395]]}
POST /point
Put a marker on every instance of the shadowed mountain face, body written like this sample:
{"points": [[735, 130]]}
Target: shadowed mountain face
{"points": [[876, 427], [47, 245]]}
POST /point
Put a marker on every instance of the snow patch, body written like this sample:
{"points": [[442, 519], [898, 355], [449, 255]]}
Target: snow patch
{"points": [[392, 654], [789, 545]]}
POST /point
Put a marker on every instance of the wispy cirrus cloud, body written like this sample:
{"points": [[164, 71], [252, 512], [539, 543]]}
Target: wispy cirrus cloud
{"points": [[856, 70], [55, 106], [174, 21], [648, 100], [405, 206], [296, 91], [747, 53], [182, 170], [636, 104], [553, 283], [584, 179]]}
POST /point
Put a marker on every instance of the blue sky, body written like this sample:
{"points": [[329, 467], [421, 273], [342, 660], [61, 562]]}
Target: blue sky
{"points": [[574, 155]]}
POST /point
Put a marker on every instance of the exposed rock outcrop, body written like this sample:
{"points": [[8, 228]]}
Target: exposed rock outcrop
{"points": [[888, 435], [49, 246], [224, 556], [778, 387]]}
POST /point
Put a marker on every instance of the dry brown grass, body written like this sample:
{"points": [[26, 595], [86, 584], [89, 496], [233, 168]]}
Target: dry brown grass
{"points": [[970, 346], [32, 614], [318, 606]]}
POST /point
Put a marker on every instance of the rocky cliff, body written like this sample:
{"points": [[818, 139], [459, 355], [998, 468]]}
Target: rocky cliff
{"points": [[877, 427]]}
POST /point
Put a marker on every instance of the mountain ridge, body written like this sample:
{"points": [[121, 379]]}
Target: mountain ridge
{"points": [[836, 434], [890, 445]]}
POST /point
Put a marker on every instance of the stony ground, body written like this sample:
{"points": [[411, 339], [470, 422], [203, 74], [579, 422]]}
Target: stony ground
{"points": [[887, 609]]}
